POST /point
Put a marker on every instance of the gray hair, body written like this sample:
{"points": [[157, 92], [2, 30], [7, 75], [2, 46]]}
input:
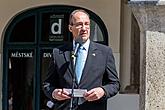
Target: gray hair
{"points": [[75, 11]]}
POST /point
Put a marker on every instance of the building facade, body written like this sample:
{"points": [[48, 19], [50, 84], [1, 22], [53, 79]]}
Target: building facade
{"points": [[30, 29]]}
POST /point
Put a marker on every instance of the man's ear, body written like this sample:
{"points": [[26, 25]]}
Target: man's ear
{"points": [[70, 28]]}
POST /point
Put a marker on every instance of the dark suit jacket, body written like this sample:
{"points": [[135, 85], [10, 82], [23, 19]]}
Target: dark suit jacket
{"points": [[99, 71]]}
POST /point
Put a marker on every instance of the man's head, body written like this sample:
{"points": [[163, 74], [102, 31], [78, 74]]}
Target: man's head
{"points": [[79, 25]]}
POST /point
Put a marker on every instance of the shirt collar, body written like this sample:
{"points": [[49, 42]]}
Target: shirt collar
{"points": [[85, 45]]}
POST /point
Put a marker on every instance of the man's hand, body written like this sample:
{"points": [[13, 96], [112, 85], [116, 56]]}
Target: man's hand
{"points": [[94, 94], [60, 94]]}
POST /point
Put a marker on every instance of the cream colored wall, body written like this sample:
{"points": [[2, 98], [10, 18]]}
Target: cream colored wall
{"points": [[108, 10], [125, 47], [0, 81]]}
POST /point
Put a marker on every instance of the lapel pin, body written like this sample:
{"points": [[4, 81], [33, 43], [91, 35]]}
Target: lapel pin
{"points": [[94, 54]]}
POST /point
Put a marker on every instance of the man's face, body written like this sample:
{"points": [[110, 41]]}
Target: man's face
{"points": [[80, 26]]}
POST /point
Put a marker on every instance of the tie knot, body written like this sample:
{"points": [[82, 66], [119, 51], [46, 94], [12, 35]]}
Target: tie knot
{"points": [[82, 47]]}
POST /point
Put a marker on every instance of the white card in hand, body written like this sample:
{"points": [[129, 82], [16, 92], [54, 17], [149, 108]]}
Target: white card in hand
{"points": [[77, 92]]}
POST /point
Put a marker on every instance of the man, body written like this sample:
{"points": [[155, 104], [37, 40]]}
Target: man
{"points": [[98, 76]]}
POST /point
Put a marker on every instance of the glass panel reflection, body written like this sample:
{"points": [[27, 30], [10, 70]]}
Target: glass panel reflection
{"points": [[96, 33], [20, 77]]}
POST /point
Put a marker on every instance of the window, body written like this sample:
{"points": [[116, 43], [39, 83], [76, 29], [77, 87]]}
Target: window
{"points": [[23, 30]]}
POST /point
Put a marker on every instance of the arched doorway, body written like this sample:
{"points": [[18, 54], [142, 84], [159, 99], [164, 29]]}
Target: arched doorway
{"points": [[28, 42]]}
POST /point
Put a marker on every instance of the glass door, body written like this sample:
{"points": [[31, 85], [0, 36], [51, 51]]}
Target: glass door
{"points": [[21, 71], [45, 56]]}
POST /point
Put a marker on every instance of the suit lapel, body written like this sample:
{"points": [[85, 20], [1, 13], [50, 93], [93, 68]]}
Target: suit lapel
{"points": [[67, 56]]}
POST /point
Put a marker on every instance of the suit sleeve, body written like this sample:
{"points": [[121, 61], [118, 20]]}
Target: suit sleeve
{"points": [[51, 81], [111, 81]]}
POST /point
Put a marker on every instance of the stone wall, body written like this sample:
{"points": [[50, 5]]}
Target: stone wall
{"points": [[155, 71], [151, 20]]}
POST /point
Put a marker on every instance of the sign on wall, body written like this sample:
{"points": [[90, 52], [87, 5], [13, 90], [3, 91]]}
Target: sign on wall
{"points": [[54, 27], [19, 53], [56, 32]]}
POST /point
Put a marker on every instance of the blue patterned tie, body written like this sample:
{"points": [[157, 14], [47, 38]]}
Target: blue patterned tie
{"points": [[80, 62]]}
